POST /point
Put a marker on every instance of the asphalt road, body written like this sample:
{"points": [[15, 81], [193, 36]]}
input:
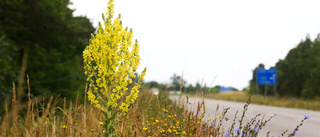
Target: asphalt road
{"points": [[285, 119]]}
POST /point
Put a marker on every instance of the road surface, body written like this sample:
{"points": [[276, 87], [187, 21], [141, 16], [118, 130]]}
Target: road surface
{"points": [[285, 119]]}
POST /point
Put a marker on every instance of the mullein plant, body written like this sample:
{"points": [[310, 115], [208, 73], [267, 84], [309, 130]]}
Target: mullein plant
{"points": [[110, 62]]}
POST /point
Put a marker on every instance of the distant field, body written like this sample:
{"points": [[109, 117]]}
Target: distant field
{"points": [[288, 102]]}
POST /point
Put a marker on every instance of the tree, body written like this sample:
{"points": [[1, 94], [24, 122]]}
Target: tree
{"points": [[153, 84], [8, 69], [49, 43], [294, 70], [176, 83], [298, 73], [253, 82]]}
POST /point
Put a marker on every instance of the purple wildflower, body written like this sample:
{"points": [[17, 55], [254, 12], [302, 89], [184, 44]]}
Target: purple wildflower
{"points": [[256, 129], [164, 115], [295, 132], [306, 116], [237, 130], [227, 135]]}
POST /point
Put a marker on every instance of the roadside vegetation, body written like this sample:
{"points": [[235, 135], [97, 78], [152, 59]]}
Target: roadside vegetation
{"points": [[114, 102], [151, 115]]}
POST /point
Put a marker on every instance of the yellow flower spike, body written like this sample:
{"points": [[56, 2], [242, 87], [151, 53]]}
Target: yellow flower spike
{"points": [[217, 117], [209, 119], [157, 121], [64, 126], [145, 128], [110, 61], [101, 123]]}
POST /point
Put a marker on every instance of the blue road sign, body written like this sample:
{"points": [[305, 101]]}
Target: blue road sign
{"points": [[266, 77], [224, 89]]}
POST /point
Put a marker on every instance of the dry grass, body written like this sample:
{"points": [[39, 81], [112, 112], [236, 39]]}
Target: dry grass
{"points": [[39, 118], [150, 115]]}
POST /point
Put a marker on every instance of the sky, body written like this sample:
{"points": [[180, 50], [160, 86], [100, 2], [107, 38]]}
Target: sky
{"points": [[219, 41]]}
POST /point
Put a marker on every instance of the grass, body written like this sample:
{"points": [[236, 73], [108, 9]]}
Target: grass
{"points": [[288, 102], [39, 118], [151, 115]]}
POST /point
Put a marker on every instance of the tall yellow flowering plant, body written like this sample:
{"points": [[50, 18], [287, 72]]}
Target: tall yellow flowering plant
{"points": [[110, 61]]}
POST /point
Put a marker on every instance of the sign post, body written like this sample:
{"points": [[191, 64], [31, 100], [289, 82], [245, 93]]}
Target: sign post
{"points": [[267, 77]]}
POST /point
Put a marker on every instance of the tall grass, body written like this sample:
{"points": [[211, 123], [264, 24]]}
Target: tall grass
{"points": [[150, 115], [50, 118]]}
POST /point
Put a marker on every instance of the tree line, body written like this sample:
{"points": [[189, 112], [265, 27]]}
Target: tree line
{"points": [[42, 39], [298, 73], [176, 84]]}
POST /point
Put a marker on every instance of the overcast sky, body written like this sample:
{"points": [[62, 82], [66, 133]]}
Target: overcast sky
{"points": [[225, 39]]}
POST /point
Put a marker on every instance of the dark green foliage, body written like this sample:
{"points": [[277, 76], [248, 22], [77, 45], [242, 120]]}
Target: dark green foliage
{"points": [[153, 84], [8, 69], [298, 74], [192, 89], [176, 83], [54, 40], [253, 82]]}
